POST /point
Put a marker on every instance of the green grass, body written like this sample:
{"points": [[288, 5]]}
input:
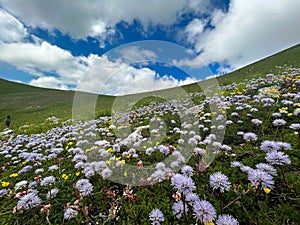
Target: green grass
{"points": [[33, 105]]}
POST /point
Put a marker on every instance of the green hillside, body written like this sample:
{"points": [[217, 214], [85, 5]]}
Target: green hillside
{"points": [[32, 105]]}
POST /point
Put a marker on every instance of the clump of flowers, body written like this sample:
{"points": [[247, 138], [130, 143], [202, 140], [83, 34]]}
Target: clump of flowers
{"points": [[156, 216], [84, 187], [28, 201]]}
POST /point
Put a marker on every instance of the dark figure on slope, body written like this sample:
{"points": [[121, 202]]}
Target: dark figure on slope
{"points": [[8, 120]]}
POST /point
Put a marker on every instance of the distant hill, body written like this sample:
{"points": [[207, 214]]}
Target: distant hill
{"points": [[32, 105], [288, 57]]}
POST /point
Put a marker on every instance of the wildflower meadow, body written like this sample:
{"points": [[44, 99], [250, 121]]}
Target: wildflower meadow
{"points": [[225, 159]]}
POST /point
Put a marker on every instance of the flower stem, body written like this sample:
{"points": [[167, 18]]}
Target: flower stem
{"points": [[283, 177], [221, 202]]}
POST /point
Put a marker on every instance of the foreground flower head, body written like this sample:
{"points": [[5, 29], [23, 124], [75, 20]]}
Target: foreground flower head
{"points": [[70, 213], [84, 187], [178, 209], [204, 211], [295, 126], [249, 137], [183, 183], [260, 179], [226, 219], [156, 216], [28, 201], [277, 158], [219, 181]]}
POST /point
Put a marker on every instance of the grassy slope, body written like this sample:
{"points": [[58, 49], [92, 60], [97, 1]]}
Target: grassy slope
{"points": [[288, 57], [32, 105]]}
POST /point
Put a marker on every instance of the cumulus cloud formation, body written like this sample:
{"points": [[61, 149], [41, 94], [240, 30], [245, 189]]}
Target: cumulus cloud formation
{"points": [[83, 18], [38, 58], [48, 82], [12, 30], [115, 78], [133, 54], [249, 31]]}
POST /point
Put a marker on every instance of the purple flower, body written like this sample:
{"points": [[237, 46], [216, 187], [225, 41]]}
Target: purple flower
{"points": [[84, 187], [156, 216], [52, 193], [295, 126], [53, 168], [159, 175], [276, 114], [256, 121], [267, 101], [199, 151], [284, 145], [3, 192], [187, 171], [106, 173], [226, 220], [277, 158], [88, 171], [204, 211], [25, 169], [183, 184], [279, 122], [28, 201], [178, 209], [47, 181], [267, 168], [192, 198], [70, 213], [260, 179], [236, 164], [163, 149], [269, 146], [250, 136], [149, 150], [219, 181]]}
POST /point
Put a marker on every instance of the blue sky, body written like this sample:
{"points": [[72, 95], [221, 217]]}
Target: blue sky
{"points": [[119, 47]]}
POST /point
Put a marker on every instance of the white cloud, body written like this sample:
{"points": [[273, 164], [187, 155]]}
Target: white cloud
{"points": [[11, 29], [40, 58], [97, 18], [250, 30], [194, 30], [134, 54], [48, 82], [117, 78]]}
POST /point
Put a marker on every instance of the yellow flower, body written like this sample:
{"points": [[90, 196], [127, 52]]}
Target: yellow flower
{"points": [[144, 146], [267, 190], [290, 114], [209, 223], [128, 156], [118, 158], [123, 161], [23, 163], [70, 143], [65, 176], [108, 162], [4, 183], [87, 150], [109, 150], [125, 174], [14, 175], [77, 174]]}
